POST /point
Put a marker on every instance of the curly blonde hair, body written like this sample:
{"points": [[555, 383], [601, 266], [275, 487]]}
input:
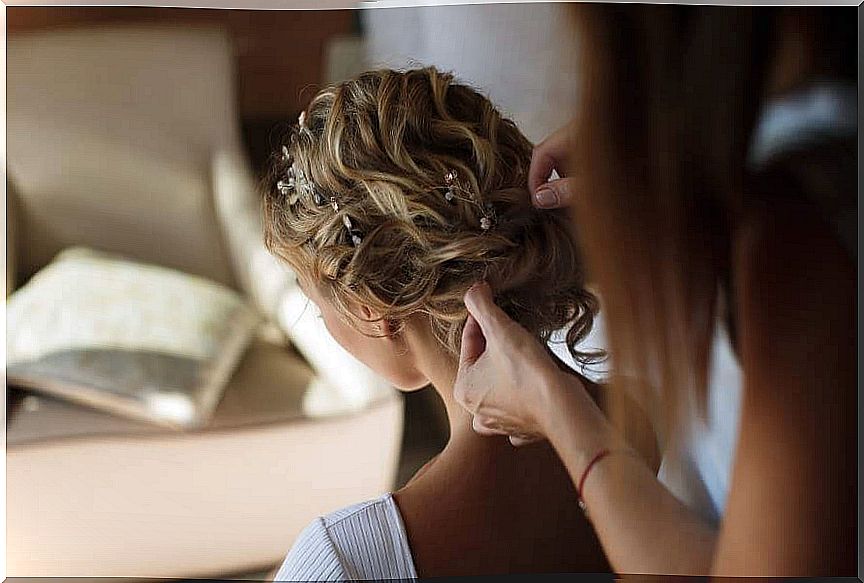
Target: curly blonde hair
{"points": [[381, 145]]}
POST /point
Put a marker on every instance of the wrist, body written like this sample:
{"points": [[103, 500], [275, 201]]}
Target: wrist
{"points": [[555, 392], [574, 423]]}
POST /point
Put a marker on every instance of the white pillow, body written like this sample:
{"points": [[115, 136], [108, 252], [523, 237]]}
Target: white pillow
{"points": [[139, 340], [344, 384]]}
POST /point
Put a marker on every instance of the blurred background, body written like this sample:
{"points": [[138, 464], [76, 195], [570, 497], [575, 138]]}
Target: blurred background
{"points": [[172, 408]]}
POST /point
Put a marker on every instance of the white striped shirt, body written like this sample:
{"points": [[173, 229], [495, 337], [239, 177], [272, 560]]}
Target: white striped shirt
{"points": [[362, 541]]}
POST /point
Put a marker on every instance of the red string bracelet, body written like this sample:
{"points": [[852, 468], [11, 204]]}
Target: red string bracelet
{"points": [[597, 457]]}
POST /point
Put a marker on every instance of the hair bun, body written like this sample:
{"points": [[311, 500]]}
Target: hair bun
{"points": [[434, 178]]}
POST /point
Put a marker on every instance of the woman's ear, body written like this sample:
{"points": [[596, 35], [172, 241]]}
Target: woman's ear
{"points": [[372, 321]]}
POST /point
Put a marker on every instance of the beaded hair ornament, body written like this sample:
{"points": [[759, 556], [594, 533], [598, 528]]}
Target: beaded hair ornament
{"points": [[452, 194], [297, 184]]}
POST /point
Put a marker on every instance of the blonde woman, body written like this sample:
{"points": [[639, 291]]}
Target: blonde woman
{"points": [[394, 194]]}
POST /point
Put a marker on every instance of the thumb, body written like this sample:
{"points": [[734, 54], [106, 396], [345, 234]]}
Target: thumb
{"points": [[542, 164], [473, 343], [481, 306], [555, 194], [466, 391]]}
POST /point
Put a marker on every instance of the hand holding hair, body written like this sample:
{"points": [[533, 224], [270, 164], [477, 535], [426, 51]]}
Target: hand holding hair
{"points": [[553, 153], [504, 372]]}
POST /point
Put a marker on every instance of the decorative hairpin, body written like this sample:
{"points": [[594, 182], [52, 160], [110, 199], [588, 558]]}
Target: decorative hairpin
{"points": [[289, 187], [355, 235], [451, 180], [296, 182], [486, 220]]}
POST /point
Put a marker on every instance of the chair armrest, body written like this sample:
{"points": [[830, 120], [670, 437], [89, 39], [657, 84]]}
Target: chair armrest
{"points": [[238, 209]]}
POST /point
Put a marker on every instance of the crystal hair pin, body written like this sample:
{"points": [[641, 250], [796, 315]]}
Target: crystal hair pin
{"points": [[485, 222], [289, 187], [301, 123], [354, 235], [296, 183], [451, 180]]}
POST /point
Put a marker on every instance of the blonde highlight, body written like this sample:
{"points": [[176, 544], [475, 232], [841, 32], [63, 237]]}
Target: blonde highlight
{"points": [[381, 144]]}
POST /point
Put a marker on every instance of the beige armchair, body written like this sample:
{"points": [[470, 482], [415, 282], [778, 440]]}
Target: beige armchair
{"points": [[126, 140]]}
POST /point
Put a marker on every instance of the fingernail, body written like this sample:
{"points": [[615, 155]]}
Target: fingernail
{"points": [[546, 197]]}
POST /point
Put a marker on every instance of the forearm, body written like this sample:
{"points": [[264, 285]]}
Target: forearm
{"points": [[643, 528]]}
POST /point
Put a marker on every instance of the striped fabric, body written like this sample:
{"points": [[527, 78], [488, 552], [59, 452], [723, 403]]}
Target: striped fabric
{"points": [[362, 541]]}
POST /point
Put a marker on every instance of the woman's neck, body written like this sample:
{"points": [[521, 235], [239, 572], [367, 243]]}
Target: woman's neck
{"points": [[440, 368], [483, 494]]}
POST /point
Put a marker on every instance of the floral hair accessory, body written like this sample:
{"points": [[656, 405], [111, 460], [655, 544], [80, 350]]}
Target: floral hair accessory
{"points": [[453, 187]]}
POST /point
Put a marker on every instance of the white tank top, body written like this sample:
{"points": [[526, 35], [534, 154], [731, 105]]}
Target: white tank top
{"points": [[362, 541]]}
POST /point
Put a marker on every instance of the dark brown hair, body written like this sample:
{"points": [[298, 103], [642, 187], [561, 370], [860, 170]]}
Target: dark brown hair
{"points": [[670, 98]]}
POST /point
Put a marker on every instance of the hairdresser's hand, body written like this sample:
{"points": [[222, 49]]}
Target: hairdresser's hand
{"points": [[553, 153], [504, 372]]}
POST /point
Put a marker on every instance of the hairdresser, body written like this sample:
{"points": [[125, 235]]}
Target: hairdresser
{"points": [[710, 173]]}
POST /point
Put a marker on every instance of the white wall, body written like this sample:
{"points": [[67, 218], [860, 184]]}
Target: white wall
{"points": [[521, 56]]}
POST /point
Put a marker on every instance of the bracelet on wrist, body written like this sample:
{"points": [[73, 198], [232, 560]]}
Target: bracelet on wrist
{"points": [[605, 452]]}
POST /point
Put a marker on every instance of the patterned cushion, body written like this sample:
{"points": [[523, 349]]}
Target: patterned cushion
{"points": [[134, 339]]}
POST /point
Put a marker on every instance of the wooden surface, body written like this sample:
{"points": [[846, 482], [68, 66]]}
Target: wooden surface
{"points": [[280, 53]]}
